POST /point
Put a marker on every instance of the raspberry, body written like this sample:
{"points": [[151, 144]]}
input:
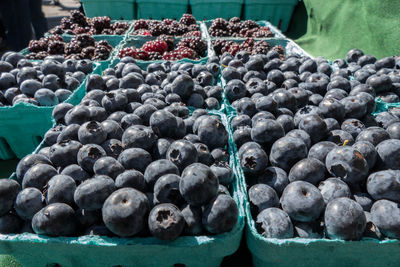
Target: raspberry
{"points": [[133, 52], [168, 39], [187, 19], [180, 53], [155, 46], [142, 32]]}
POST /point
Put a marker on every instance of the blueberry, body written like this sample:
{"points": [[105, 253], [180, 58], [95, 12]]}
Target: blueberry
{"points": [[138, 136], [286, 151], [320, 150], [333, 188], [88, 155], [27, 162], [309, 169], [60, 189], [163, 123], [340, 83], [57, 219], [286, 122], [347, 164], [340, 137], [77, 115], [261, 116], [166, 190], [315, 126], [332, 108], [92, 132], [91, 194], [113, 129], [108, 166], [131, 178], [76, 172], [112, 147], [304, 112], [267, 131], [157, 169], [9, 190], [144, 112], [212, 132], [353, 126], [302, 201], [394, 130], [368, 151], [380, 84], [374, 135], [166, 222], [344, 219], [284, 99], [274, 223], [274, 177], [28, 202], [198, 184], [193, 220], [388, 154], [308, 230], [135, 158], [38, 176], [253, 160], [385, 119], [353, 55], [10, 224], [386, 216], [384, 185], [262, 196], [235, 89], [223, 172], [220, 155], [124, 212]]}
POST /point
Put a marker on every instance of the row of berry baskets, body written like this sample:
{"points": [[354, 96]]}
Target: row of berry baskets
{"points": [[277, 11]]}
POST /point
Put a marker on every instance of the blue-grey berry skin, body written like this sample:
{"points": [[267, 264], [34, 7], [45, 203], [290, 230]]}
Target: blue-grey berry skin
{"points": [[135, 158], [9, 190], [38, 176], [287, 151], [193, 220], [27, 162], [308, 230], [253, 160], [131, 178], [223, 172], [220, 215], [92, 193], [92, 132], [368, 151], [384, 185], [182, 153], [302, 201], [303, 135], [157, 169], [386, 216], [57, 219], [124, 212], [309, 169], [274, 223], [61, 189], [198, 184], [10, 224], [138, 136], [166, 190], [88, 155], [320, 150], [347, 164], [28, 202], [274, 177], [212, 132], [333, 188], [344, 219], [64, 153], [266, 131], [262, 196], [76, 172], [108, 166], [374, 135], [388, 154], [364, 199], [166, 221]]}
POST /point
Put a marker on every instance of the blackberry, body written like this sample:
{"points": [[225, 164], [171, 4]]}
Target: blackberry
{"points": [[177, 29], [250, 24], [66, 23], [100, 23], [119, 31], [234, 20], [187, 19], [78, 30], [78, 18], [167, 21], [233, 48], [101, 53], [104, 43], [158, 29], [85, 40], [279, 49], [73, 47], [120, 28], [53, 37], [56, 48], [195, 43], [142, 32], [88, 52], [133, 52], [261, 47], [31, 55], [193, 27], [141, 24], [109, 32], [74, 56], [192, 34], [57, 30], [41, 55], [218, 45], [154, 56], [37, 46], [234, 28], [247, 45], [180, 53], [219, 27], [168, 39]]}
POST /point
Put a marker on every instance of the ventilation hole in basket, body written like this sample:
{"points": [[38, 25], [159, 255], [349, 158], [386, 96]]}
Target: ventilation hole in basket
{"points": [[279, 24], [6, 146], [117, 266], [53, 265], [179, 265]]}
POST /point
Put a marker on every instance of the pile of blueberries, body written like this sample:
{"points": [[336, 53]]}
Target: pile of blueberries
{"points": [[42, 83], [317, 163], [128, 162]]}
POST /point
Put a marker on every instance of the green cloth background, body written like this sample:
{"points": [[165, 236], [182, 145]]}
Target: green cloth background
{"points": [[330, 28]]}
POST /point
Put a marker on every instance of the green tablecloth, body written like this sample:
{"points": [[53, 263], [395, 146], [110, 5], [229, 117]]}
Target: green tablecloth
{"points": [[331, 28]]}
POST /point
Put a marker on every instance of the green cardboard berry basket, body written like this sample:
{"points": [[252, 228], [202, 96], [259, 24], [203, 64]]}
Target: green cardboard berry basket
{"points": [[208, 250], [211, 9], [160, 9], [279, 12], [263, 23], [116, 9], [24, 125]]}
